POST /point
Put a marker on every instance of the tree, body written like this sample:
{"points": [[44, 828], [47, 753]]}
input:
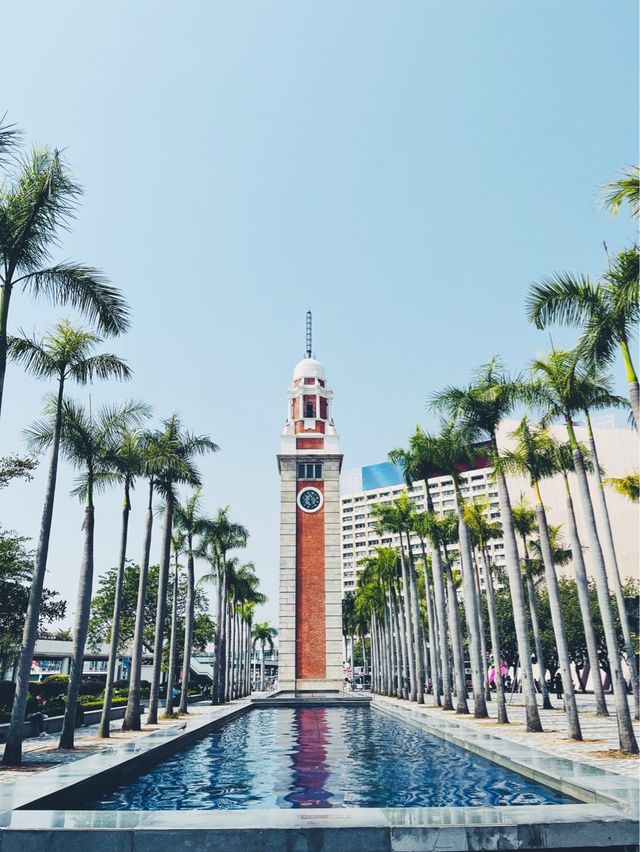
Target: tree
{"points": [[175, 467], [482, 531], [263, 634], [16, 467], [219, 537], [535, 456], [417, 465], [125, 460], [86, 441], [524, 521], [65, 353], [37, 202], [15, 577], [177, 545], [607, 312], [397, 518], [625, 190], [628, 486], [189, 521], [481, 407], [556, 389], [565, 466]]}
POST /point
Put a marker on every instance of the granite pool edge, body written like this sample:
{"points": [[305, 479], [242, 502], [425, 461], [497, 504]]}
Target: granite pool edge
{"points": [[579, 780], [47, 829]]}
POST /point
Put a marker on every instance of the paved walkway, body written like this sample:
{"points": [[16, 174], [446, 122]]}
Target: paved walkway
{"points": [[598, 748]]}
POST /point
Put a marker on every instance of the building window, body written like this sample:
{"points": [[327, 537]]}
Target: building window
{"points": [[310, 471], [308, 410]]}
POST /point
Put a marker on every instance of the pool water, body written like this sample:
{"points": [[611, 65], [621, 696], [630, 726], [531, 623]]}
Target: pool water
{"points": [[316, 757]]}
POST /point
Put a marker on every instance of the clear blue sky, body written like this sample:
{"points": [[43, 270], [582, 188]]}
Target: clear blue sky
{"points": [[406, 170]]}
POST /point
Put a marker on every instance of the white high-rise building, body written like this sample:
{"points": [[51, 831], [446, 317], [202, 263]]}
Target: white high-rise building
{"points": [[363, 488]]}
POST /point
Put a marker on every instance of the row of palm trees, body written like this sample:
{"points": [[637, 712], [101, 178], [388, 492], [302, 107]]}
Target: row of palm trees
{"points": [[407, 644], [38, 199]]}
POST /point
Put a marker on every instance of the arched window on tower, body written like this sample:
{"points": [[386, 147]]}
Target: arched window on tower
{"points": [[308, 409]]}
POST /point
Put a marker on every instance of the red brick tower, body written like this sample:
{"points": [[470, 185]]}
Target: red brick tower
{"points": [[310, 635]]}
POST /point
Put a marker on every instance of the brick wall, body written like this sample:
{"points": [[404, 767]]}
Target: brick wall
{"points": [[310, 591]]}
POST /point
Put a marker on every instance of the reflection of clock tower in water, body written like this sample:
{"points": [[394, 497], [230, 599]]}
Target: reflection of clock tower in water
{"points": [[310, 636]]}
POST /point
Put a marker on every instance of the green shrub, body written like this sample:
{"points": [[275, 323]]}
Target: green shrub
{"points": [[53, 685]]}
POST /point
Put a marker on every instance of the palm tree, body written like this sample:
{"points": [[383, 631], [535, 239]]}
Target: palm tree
{"points": [[188, 520], [220, 535], [448, 534], [397, 518], [246, 596], [417, 465], [263, 634], [85, 441], [481, 407], [628, 486], [607, 312], [9, 138], [125, 460], [557, 390], [482, 532], [64, 353], [177, 468], [535, 456], [451, 450], [177, 545], [371, 602], [565, 466], [157, 450], [524, 521], [624, 190], [36, 204]]}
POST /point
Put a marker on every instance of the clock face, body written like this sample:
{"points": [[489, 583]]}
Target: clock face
{"points": [[310, 499]]}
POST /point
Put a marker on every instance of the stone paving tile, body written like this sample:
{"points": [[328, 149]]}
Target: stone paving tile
{"points": [[600, 735]]}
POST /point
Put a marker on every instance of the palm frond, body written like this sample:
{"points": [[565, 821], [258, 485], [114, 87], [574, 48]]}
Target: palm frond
{"points": [[32, 356], [104, 366], [625, 190], [84, 288], [562, 298]]}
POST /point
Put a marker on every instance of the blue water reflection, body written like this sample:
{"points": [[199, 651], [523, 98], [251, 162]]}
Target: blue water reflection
{"points": [[322, 758]]}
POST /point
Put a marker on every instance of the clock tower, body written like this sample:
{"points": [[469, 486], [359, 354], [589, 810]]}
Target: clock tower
{"points": [[310, 635]]}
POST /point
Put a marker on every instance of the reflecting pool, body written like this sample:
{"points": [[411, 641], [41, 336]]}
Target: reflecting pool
{"points": [[322, 757]]}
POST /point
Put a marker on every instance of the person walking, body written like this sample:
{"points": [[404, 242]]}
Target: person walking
{"points": [[558, 684]]}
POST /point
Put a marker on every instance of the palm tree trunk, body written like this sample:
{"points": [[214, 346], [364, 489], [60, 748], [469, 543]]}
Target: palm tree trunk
{"points": [[215, 687], [13, 747], [471, 613], [415, 623], [81, 625], [535, 624], [402, 637], [229, 651], [262, 665], [171, 673], [103, 730], [456, 643], [503, 719], [438, 588], [406, 605], [434, 652], [161, 613], [626, 733], [131, 720], [582, 585], [613, 572], [389, 647], [223, 637], [395, 638], [5, 298], [632, 379], [532, 716], [188, 630], [483, 639], [573, 721]]}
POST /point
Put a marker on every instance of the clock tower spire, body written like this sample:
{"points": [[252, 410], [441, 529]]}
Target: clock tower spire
{"points": [[310, 636]]}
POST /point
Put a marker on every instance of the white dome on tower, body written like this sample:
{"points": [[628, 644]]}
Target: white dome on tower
{"points": [[308, 368]]}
